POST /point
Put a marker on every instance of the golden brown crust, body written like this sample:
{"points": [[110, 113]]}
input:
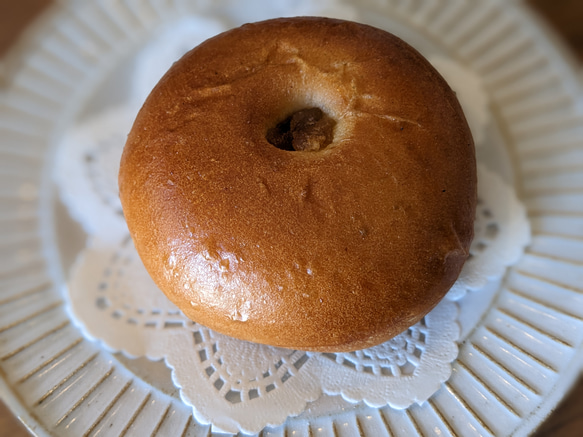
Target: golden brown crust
{"points": [[333, 250]]}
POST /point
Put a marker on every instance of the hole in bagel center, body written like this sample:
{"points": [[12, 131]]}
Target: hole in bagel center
{"points": [[306, 130]]}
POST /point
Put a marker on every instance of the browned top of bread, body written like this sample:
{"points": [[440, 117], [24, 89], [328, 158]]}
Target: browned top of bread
{"points": [[335, 249]]}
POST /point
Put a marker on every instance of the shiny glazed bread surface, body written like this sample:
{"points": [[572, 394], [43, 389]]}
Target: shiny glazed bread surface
{"points": [[336, 249]]}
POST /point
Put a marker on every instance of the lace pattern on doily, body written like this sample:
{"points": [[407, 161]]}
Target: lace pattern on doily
{"points": [[115, 301], [406, 369], [238, 383], [501, 232], [397, 357], [123, 273]]}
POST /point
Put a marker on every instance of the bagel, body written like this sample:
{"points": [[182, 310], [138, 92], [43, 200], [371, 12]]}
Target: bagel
{"points": [[305, 183]]}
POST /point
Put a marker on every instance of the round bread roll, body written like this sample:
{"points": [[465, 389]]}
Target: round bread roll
{"points": [[306, 183]]}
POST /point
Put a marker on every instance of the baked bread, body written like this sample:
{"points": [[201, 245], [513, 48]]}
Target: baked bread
{"points": [[307, 183]]}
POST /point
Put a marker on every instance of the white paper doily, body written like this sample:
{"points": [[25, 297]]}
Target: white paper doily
{"points": [[240, 385]]}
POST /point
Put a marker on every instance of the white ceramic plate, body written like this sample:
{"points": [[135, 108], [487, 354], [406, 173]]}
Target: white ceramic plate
{"points": [[524, 348]]}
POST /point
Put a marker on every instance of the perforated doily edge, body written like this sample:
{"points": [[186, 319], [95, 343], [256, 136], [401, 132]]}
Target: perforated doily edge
{"points": [[445, 348], [515, 217]]}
